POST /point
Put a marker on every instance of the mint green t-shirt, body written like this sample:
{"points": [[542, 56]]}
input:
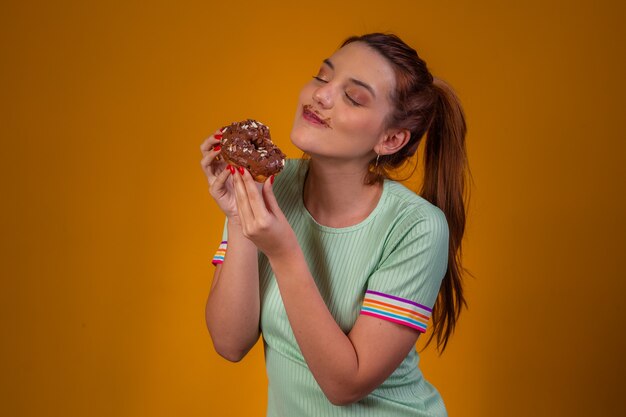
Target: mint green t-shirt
{"points": [[389, 266]]}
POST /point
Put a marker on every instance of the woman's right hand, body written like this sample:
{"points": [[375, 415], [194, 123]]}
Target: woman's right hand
{"points": [[219, 176]]}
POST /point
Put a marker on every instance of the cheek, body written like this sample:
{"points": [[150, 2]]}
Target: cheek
{"points": [[305, 93], [361, 125]]}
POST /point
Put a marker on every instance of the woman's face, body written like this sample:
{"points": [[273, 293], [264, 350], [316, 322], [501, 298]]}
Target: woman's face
{"points": [[341, 110]]}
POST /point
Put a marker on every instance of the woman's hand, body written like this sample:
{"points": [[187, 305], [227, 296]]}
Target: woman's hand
{"points": [[262, 220], [217, 173]]}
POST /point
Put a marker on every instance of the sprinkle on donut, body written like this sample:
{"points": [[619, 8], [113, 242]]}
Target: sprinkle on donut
{"points": [[248, 144]]}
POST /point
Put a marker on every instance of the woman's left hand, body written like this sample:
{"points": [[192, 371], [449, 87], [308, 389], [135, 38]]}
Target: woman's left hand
{"points": [[262, 220]]}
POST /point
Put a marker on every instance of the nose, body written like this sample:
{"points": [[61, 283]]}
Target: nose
{"points": [[323, 96]]}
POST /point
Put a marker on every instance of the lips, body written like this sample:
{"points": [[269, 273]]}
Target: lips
{"points": [[314, 117]]}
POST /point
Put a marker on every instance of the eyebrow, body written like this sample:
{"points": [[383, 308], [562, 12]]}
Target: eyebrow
{"points": [[354, 80]]}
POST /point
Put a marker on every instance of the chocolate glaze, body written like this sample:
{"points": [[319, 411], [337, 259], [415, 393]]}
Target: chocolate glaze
{"points": [[248, 144]]}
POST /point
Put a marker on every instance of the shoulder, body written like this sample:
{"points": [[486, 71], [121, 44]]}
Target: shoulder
{"points": [[411, 209], [414, 225]]}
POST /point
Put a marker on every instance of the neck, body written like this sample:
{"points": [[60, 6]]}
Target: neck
{"points": [[335, 195]]}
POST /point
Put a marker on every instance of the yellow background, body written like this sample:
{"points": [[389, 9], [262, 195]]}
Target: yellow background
{"points": [[108, 227]]}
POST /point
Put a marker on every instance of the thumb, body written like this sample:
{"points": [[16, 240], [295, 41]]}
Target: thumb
{"points": [[269, 197]]}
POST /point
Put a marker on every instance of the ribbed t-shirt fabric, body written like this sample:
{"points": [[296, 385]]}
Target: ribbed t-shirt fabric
{"points": [[389, 266]]}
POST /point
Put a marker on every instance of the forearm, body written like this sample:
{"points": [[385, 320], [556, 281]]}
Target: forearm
{"points": [[328, 351], [233, 306]]}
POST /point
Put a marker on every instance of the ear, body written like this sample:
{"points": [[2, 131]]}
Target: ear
{"points": [[393, 141]]}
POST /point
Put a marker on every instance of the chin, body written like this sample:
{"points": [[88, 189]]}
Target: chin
{"points": [[297, 137], [301, 135]]}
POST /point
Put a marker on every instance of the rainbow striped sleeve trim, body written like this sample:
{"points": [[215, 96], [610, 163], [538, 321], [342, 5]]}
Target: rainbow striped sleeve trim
{"points": [[396, 309], [218, 258]]}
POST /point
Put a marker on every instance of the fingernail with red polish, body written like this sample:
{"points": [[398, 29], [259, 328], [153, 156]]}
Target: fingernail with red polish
{"points": [[231, 169], [218, 136], [217, 148], [272, 179], [240, 169]]}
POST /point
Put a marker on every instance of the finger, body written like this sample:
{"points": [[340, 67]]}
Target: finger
{"points": [[208, 166], [208, 144], [211, 141], [270, 198], [243, 203], [207, 161], [254, 195], [218, 185]]}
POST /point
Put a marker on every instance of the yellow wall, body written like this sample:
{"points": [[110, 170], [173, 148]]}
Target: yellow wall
{"points": [[108, 227]]}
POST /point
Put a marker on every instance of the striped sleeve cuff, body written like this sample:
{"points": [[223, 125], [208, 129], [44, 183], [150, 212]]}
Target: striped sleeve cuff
{"points": [[396, 309], [218, 258]]}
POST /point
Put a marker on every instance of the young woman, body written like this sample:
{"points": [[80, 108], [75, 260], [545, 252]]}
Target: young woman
{"points": [[338, 266]]}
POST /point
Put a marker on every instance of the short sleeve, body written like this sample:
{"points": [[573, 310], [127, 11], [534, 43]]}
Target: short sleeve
{"points": [[220, 254], [404, 287]]}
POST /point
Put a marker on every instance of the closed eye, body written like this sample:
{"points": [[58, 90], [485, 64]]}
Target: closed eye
{"points": [[352, 101]]}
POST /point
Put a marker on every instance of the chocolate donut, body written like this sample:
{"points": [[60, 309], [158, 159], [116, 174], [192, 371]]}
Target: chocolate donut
{"points": [[248, 144]]}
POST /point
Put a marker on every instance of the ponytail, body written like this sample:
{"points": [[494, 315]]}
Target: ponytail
{"points": [[445, 163]]}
